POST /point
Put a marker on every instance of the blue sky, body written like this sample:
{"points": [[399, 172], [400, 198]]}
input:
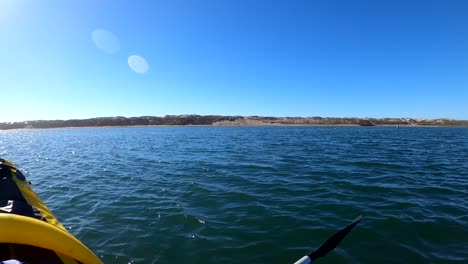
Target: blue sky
{"points": [[272, 58]]}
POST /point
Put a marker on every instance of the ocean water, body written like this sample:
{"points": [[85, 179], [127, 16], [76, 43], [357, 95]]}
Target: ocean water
{"points": [[253, 194]]}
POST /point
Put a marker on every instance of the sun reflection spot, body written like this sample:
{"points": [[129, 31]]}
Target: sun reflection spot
{"points": [[105, 40], [138, 64]]}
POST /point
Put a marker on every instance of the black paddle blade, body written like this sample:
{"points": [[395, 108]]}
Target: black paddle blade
{"points": [[333, 241]]}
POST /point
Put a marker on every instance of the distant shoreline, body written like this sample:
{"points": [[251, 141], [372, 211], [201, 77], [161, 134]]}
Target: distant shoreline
{"points": [[230, 121]]}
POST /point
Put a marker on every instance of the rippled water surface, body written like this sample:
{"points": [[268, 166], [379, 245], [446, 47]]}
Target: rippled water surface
{"points": [[253, 194]]}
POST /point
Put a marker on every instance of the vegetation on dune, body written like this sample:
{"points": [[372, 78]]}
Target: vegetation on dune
{"points": [[182, 120]]}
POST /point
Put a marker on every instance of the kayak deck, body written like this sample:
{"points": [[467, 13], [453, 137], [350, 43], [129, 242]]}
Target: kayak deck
{"points": [[29, 254]]}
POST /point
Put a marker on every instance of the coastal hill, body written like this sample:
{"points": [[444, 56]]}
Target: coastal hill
{"points": [[217, 120]]}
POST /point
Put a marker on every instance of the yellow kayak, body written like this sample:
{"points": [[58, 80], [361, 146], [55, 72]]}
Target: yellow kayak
{"points": [[29, 231]]}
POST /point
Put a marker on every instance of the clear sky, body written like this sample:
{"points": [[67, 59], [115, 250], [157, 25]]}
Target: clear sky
{"points": [[80, 59]]}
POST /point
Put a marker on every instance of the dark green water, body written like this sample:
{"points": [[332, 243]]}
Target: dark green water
{"points": [[253, 194]]}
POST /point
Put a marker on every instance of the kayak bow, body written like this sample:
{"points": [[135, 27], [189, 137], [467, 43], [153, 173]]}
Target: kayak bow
{"points": [[30, 231]]}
